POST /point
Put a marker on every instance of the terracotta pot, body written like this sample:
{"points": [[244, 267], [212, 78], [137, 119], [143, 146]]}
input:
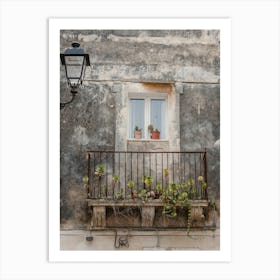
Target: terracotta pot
{"points": [[137, 134], [156, 135]]}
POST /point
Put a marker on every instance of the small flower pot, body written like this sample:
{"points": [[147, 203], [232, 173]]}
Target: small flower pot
{"points": [[134, 195], [138, 134], [156, 135]]}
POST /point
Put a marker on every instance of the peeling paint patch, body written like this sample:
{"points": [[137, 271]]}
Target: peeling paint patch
{"points": [[159, 87]]}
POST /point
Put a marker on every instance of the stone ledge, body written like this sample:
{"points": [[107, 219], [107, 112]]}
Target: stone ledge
{"points": [[98, 219], [132, 202], [147, 140]]}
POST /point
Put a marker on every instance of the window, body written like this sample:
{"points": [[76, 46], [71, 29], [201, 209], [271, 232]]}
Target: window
{"points": [[146, 111]]}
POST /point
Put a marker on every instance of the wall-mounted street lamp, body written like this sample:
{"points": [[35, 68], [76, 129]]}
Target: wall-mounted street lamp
{"points": [[75, 61]]}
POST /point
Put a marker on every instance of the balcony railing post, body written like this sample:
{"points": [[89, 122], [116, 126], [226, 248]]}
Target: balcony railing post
{"points": [[113, 184], [156, 167], [93, 171], [89, 175], [137, 171], [99, 179], [205, 173], [106, 187]]}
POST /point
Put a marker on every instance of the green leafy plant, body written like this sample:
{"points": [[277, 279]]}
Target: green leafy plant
{"points": [[137, 128], [86, 184], [100, 170], [169, 198], [130, 184], [143, 196], [166, 173], [190, 182], [120, 194], [204, 185], [184, 187], [115, 179], [200, 178], [99, 173], [175, 196], [212, 204], [183, 197], [158, 191], [150, 128], [148, 180], [191, 190], [85, 179], [192, 193]]}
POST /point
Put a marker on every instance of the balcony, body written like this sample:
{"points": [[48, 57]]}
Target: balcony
{"points": [[146, 181]]}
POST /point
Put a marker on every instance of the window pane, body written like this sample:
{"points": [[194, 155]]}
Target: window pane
{"points": [[158, 116], [137, 107]]}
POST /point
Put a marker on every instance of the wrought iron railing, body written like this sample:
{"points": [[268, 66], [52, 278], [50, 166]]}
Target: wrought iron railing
{"points": [[111, 172]]}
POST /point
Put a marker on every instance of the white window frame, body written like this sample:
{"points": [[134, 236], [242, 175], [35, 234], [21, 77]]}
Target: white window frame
{"points": [[147, 112]]}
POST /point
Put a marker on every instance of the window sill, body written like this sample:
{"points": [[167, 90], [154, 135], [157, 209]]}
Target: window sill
{"points": [[147, 140]]}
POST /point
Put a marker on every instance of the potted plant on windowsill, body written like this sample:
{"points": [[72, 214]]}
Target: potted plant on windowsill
{"points": [[137, 133], [155, 133]]}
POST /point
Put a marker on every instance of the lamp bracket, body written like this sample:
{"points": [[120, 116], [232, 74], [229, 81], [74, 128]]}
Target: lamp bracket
{"points": [[74, 93]]}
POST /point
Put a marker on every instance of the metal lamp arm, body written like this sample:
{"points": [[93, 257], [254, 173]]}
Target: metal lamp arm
{"points": [[63, 104]]}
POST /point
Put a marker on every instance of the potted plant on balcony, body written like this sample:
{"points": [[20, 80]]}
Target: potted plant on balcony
{"points": [[99, 173], [155, 133], [147, 180], [130, 185], [115, 179], [158, 191], [86, 185], [120, 194], [137, 132], [100, 170]]}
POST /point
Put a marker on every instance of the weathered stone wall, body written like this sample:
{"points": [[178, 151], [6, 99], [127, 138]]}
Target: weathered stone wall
{"points": [[88, 123], [187, 58], [200, 127]]}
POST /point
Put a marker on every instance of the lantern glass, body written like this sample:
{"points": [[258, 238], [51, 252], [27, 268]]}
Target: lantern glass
{"points": [[74, 66]]}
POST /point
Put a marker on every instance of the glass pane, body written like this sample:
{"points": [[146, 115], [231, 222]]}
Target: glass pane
{"points": [[74, 67], [137, 107], [158, 109]]}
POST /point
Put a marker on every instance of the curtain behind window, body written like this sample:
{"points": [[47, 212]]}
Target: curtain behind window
{"points": [[158, 111], [137, 114]]}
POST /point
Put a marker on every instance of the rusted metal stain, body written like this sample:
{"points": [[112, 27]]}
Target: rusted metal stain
{"points": [[159, 87]]}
